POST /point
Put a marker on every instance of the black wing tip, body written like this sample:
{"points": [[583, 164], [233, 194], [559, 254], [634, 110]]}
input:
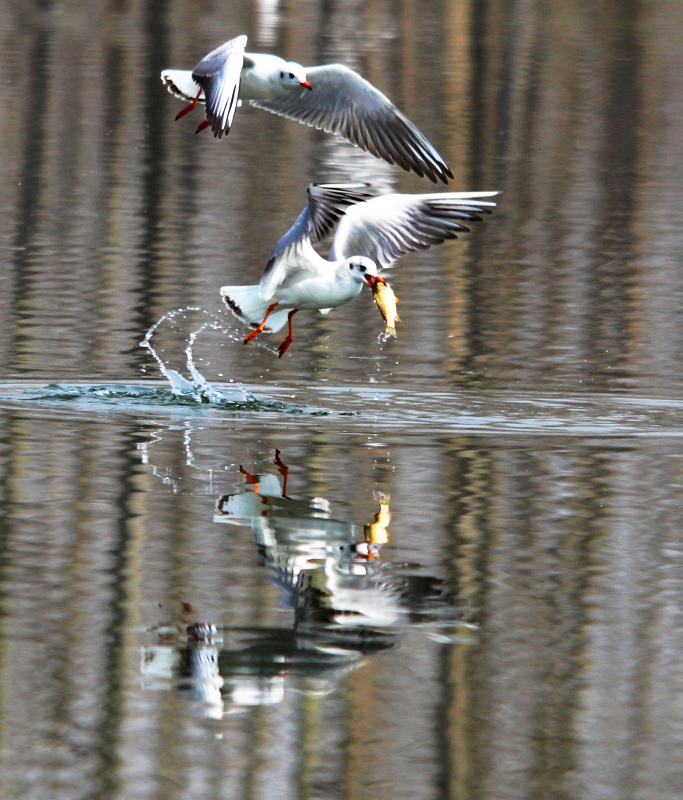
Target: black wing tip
{"points": [[446, 174], [435, 171], [327, 205], [432, 167], [218, 120], [419, 168]]}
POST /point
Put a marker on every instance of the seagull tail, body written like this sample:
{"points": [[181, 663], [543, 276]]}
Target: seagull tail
{"points": [[248, 305], [181, 84]]}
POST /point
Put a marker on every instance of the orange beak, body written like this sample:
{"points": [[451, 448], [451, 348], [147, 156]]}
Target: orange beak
{"points": [[306, 85], [373, 279]]}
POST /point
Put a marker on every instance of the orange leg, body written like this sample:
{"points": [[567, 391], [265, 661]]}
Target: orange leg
{"points": [[283, 469], [259, 328], [284, 345], [189, 108], [250, 478], [203, 125]]}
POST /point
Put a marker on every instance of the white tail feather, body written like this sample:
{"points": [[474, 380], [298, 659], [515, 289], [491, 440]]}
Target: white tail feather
{"points": [[180, 83], [247, 304]]}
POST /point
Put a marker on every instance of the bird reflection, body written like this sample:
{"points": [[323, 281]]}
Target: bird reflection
{"points": [[296, 535], [187, 653], [348, 603]]}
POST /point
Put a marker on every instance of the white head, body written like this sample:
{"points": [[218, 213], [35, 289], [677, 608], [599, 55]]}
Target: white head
{"points": [[293, 76], [362, 269]]}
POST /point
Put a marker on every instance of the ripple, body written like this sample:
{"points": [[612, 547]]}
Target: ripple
{"points": [[367, 409], [122, 396]]}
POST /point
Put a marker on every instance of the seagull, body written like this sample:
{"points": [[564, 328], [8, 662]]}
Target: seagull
{"points": [[371, 233], [332, 98]]}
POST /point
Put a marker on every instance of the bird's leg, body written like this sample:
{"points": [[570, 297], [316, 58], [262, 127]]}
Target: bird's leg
{"points": [[250, 478], [189, 108], [260, 327], [283, 469], [203, 125], [284, 344]]}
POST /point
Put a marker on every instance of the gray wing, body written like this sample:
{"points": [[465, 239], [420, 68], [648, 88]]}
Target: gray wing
{"points": [[392, 225], [219, 73], [326, 204], [343, 102]]}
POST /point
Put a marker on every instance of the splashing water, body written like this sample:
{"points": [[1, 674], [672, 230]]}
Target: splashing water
{"points": [[198, 388]]}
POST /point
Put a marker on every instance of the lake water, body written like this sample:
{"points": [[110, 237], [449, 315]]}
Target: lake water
{"points": [[448, 565]]}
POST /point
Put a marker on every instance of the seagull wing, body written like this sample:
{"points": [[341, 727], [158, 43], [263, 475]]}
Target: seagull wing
{"points": [[326, 205], [343, 102], [392, 225], [219, 75]]}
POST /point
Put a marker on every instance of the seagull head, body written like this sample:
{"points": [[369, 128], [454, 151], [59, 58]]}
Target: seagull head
{"points": [[363, 269], [293, 76]]}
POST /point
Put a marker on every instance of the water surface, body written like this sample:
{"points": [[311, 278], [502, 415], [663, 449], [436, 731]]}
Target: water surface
{"points": [[443, 566]]}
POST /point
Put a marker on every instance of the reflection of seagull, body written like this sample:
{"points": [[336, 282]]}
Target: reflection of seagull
{"points": [[330, 569], [187, 655], [292, 534], [332, 98], [371, 235], [367, 593], [295, 535]]}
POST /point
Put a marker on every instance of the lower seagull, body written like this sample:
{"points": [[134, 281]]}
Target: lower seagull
{"points": [[371, 234]]}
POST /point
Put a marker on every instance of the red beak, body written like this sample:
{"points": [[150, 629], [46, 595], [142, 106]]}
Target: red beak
{"points": [[306, 85], [373, 279]]}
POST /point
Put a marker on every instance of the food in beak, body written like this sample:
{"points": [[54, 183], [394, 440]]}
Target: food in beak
{"points": [[386, 301]]}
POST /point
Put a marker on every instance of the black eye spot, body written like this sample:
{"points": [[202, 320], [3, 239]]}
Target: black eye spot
{"points": [[350, 266], [282, 74], [291, 74], [362, 269]]}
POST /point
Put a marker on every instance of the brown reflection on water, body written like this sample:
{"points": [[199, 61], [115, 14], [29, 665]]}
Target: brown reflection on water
{"points": [[573, 564], [566, 554]]}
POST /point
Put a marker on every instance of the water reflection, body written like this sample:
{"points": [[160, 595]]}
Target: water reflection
{"points": [[125, 572], [348, 604]]}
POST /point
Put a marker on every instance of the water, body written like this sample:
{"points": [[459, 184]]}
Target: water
{"points": [[442, 566]]}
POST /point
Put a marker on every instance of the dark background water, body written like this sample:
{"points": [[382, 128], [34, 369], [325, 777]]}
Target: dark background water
{"points": [[166, 631]]}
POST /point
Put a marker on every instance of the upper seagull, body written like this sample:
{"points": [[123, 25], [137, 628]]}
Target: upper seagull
{"points": [[372, 233], [332, 98]]}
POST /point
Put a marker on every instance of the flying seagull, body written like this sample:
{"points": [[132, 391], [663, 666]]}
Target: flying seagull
{"points": [[371, 234], [332, 98]]}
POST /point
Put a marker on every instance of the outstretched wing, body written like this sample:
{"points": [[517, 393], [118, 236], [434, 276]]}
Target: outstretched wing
{"points": [[326, 204], [343, 102], [219, 73], [389, 226]]}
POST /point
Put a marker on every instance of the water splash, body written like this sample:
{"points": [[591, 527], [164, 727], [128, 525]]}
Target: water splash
{"points": [[198, 387], [179, 385], [207, 393]]}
